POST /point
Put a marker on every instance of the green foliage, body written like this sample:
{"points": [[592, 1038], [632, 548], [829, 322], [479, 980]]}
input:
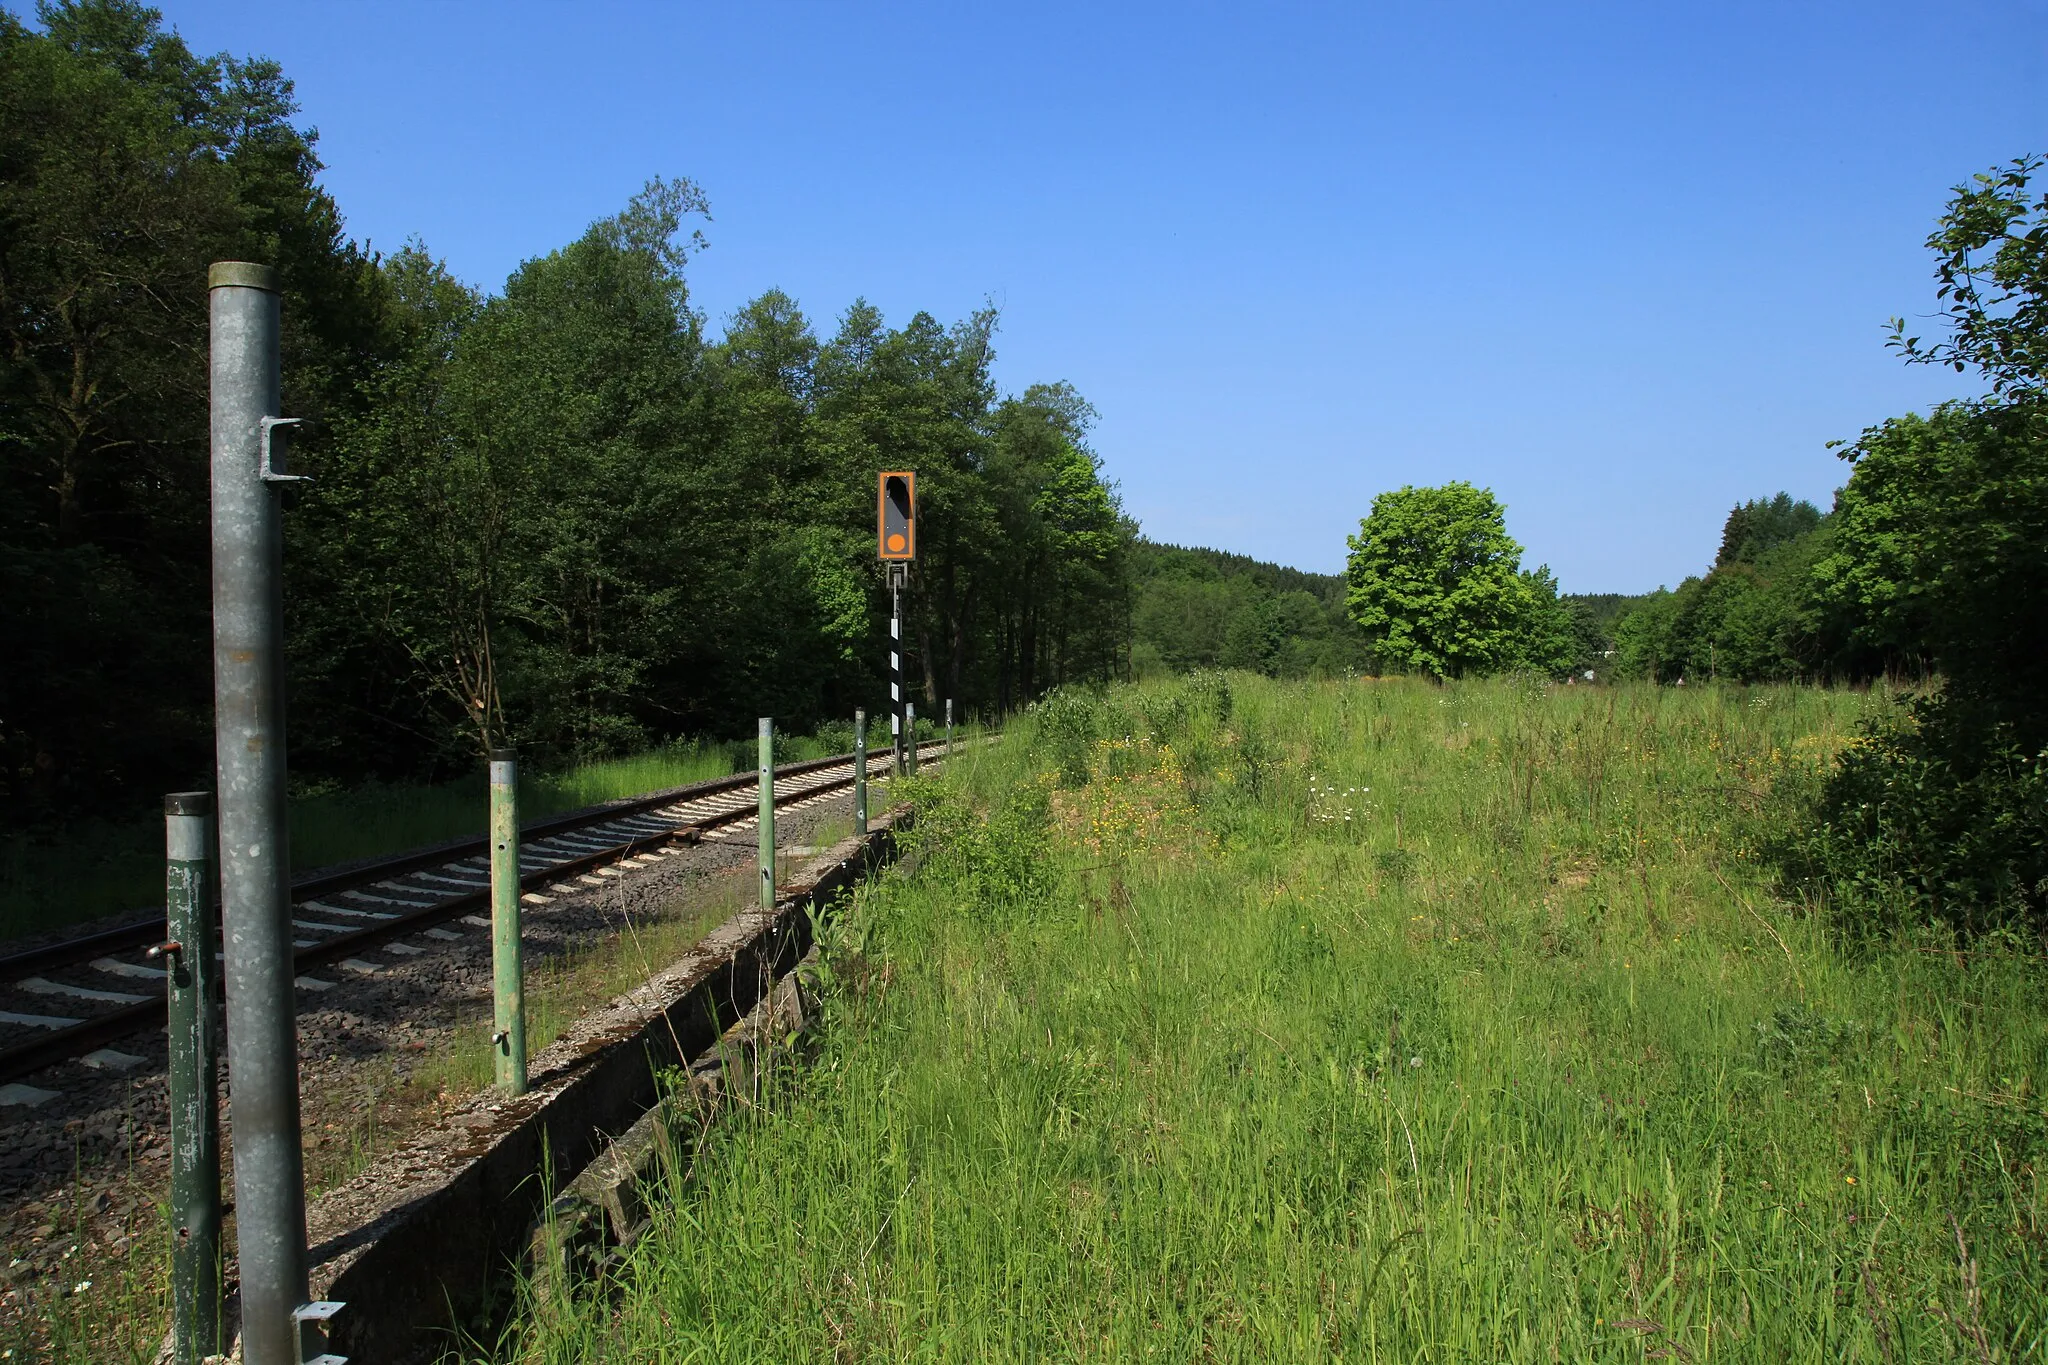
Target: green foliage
{"points": [[127, 164], [1761, 525], [1943, 809], [1436, 585], [1197, 608], [1756, 616], [1589, 1093], [1940, 812], [1992, 247], [1602, 609], [1941, 556], [1941, 551]]}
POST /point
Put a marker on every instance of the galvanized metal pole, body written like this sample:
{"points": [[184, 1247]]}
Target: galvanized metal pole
{"points": [[895, 671], [508, 971], [860, 773], [949, 727], [255, 864], [187, 953], [767, 820], [910, 737]]}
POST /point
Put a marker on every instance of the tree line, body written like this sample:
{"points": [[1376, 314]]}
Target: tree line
{"points": [[1198, 608], [569, 514]]}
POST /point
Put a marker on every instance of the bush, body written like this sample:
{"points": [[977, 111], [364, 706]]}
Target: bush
{"points": [[1939, 812]]}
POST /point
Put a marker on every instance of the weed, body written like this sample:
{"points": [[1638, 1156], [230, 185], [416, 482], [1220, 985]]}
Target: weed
{"points": [[1234, 1089]]}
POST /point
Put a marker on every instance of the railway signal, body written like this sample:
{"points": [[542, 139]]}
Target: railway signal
{"points": [[896, 516], [896, 545]]}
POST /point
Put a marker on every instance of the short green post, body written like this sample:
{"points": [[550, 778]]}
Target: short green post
{"points": [[860, 773], [508, 979], [910, 738], [767, 813], [187, 953]]}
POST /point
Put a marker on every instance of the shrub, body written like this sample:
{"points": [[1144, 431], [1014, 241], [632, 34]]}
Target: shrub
{"points": [[1939, 812]]}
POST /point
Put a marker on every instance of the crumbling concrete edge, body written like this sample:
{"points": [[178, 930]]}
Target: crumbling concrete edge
{"points": [[416, 1244], [606, 1208]]}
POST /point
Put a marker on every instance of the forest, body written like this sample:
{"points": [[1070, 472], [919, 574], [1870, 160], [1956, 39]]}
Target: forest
{"points": [[573, 514]]}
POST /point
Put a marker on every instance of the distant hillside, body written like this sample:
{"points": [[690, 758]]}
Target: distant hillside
{"points": [[1200, 608]]}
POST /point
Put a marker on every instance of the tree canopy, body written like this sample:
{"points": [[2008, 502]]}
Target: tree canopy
{"points": [[573, 514], [1198, 608], [1435, 583]]}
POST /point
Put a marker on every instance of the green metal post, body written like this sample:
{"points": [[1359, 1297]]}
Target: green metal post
{"points": [[860, 773], [508, 979], [187, 951], [767, 821], [910, 737]]}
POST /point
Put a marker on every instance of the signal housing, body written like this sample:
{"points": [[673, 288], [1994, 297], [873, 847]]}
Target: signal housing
{"points": [[896, 516]]}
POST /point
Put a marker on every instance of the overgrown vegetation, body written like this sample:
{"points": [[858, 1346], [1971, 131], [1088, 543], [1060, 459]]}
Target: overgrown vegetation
{"points": [[1245, 1021]]}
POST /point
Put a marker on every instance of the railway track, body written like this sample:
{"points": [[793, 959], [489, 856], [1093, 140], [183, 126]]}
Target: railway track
{"points": [[72, 999]]}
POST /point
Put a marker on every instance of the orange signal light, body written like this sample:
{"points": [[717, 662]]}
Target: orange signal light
{"points": [[896, 515]]}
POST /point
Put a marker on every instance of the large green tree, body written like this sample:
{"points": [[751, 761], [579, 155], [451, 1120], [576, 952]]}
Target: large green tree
{"points": [[1436, 585], [127, 164], [1942, 555]]}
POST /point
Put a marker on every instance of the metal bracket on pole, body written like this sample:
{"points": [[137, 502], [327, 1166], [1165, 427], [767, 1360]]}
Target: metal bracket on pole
{"points": [[320, 1312], [263, 468]]}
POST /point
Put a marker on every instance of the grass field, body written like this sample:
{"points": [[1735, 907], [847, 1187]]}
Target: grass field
{"points": [[1231, 1020], [114, 868]]}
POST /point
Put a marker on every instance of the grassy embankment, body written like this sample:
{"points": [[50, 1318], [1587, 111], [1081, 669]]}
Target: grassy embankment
{"points": [[1369, 1022], [112, 869]]}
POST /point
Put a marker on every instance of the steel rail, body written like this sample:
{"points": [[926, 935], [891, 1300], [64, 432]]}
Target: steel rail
{"points": [[63, 1044], [338, 877]]}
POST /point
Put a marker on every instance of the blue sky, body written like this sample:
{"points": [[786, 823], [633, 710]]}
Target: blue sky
{"points": [[1625, 264]]}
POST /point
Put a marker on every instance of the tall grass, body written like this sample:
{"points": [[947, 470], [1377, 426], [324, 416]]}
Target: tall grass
{"points": [[110, 868], [1236, 1020]]}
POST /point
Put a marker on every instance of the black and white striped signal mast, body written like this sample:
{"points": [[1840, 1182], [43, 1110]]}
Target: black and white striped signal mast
{"points": [[896, 543]]}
